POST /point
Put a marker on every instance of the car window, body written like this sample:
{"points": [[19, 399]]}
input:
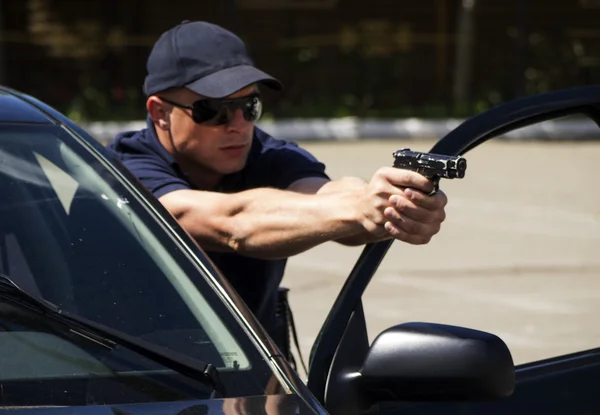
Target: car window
{"points": [[70, 233]]}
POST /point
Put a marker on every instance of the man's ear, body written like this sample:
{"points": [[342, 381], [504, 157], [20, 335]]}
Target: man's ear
{"points": [[158, 111]]}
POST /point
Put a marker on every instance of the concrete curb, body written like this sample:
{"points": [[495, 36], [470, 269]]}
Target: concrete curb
{"points": [[359, 129]]}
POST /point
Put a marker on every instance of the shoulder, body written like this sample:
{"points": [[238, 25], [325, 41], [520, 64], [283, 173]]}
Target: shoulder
{"points": [[132, 147], [148, 162], [279, 163], [270, 147], [128, 143]]}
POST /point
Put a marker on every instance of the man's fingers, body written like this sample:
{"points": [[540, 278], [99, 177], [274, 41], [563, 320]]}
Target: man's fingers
{"points": [[411, 226], [401, 235], [432, 203], [402, 206], [405, 178]]}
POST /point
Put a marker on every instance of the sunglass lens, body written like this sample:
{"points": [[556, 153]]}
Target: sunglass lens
{"points": [[203, 112], [252, 109], [216, 112]]}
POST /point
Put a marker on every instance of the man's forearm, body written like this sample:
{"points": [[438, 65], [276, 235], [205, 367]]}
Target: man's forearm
{"points": [[266, 223]]}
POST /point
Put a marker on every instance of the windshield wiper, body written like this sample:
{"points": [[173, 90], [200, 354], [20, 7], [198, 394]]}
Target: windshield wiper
{"points": [[193, 368]]}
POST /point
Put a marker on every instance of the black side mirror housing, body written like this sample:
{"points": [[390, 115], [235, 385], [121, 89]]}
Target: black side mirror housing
{"points": [[435, 362], [426, 362]]}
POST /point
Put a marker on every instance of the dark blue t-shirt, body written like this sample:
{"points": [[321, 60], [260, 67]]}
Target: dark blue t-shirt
{"points": [[271, 163]]}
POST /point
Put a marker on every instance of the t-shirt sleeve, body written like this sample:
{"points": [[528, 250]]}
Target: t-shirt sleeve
{"points": [[154, 174], [287, 163]]}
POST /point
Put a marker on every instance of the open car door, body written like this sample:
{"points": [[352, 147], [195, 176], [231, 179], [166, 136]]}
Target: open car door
{"points": [[418, 368]]}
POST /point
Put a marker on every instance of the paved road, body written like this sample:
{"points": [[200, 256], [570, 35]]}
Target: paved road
{"points": [[519, 254]]}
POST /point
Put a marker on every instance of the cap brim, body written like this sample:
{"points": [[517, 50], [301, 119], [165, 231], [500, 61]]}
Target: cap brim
{"points": [[228, 81]]}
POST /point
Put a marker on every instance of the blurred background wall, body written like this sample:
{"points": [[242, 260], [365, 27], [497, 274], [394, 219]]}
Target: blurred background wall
{"points": [[375, 58]]}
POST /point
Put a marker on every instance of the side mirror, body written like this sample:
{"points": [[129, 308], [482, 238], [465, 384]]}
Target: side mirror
{"points": [[435, 362], [425, 362]]}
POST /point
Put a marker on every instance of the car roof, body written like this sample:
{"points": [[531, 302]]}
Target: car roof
{"points": [[16, 108]]}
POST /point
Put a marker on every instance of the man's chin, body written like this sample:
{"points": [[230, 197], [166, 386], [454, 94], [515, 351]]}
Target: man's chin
{"points": [[231, 167]]}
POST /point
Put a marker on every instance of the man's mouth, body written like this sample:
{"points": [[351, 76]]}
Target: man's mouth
{"points": [[234, 150], [234, 147]]}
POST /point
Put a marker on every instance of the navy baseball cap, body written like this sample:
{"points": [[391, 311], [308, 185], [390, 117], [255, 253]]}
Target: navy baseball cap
{"points": [[205, 58]]}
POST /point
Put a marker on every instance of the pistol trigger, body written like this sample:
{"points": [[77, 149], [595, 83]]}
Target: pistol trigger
{"points": [[436, 186]]}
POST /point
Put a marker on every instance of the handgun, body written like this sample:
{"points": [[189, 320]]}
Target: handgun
{"points": [[432, 166]]}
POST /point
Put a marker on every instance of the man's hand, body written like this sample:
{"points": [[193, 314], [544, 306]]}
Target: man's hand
{"points": [[395, 203]]}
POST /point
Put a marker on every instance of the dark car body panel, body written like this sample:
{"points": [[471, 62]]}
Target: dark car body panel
{"points": [[15, 110]]}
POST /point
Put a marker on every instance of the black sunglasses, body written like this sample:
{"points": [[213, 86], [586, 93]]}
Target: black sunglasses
{"points": [[219, 111]]}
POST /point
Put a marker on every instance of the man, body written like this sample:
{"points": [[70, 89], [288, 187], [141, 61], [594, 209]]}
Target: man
{"points": [[251, 200]]}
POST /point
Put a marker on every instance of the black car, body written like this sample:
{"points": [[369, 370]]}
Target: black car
{"points": [[108, 306]]}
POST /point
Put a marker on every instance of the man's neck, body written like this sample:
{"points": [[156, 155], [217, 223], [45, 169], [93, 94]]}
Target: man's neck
{"points": [[200, 177]]}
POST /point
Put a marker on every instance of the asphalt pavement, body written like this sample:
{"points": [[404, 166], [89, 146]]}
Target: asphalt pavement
{"points": [[518, 255]]}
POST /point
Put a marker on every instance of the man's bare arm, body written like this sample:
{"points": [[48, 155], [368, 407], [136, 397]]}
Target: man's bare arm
{"points": [[265, 223], [272, 223]]}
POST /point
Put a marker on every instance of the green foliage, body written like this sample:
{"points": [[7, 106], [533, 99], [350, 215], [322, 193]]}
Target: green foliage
{"points": [[94, 104], [326, 81]]}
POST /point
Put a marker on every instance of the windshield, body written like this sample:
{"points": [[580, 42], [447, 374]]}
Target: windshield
{"points": [[72, 235]]}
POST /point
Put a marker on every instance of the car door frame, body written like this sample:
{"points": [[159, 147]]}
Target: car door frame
{"points": [[342, 340]]}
